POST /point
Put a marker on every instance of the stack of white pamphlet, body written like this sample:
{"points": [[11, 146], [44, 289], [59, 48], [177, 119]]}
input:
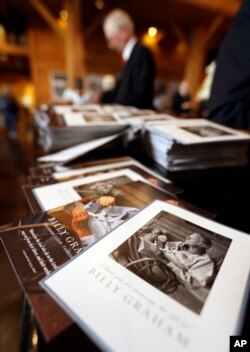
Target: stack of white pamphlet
{"points": [[195, 144], [140, 118], [61, 126], [68, 154], [64, 126], [165, 280], [73, 127]]}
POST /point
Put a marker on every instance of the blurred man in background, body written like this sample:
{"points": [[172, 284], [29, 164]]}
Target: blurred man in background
{"points": [[9, 109], [181, 101], [230, 95], [135, 81]]}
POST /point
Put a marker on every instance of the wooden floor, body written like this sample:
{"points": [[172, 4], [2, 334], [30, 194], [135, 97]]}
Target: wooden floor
{"points": [[15, 157]]}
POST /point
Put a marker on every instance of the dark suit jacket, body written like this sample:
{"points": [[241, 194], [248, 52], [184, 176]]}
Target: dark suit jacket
{"points": [[230, 95], [177, 101], [135, 81]]}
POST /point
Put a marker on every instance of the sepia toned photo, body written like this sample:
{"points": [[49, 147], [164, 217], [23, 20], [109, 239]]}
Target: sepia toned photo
{"points": [[99, 118], [39, 244], [106, 204], [58, 83], [206, 131], [176, 257]]}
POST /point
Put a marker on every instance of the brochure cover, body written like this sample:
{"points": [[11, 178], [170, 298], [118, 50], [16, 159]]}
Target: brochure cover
{"points": [[167, 279], [45, 169], [66, 155], [70, 174], [52, 196], [39, 244], [88, 118], [48, 169], [195, 131], [62, 109]]}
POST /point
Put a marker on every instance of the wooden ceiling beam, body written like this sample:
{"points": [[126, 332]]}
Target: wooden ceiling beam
{"points": [[195, 60], [212, 29], [93, 27], [226, 7], [75, 42], [198, 45], [179, 32], [48, 17], [11, 49]]}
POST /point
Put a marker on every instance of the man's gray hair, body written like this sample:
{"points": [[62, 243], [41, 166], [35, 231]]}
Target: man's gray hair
{"points": [[118, 19]]}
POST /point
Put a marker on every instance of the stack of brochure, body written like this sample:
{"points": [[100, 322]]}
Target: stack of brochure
{"points": [[68, 154], [126, 273], [137, 121], [49, 173], [62, 126], [195, 144]]}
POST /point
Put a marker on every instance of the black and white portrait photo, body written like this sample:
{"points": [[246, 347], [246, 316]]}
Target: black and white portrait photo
{"points": [[175, 256], [99, 118], [206, 131], [107, 204]]}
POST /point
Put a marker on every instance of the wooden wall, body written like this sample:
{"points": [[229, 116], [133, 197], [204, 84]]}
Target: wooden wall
{"points": [[47, 54], [188, 35]]}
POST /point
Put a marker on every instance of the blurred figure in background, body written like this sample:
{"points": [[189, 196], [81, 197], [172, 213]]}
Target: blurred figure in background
{"points": [[135, 81], [9, 109], [181, 100], [160, 99], [108, 83], [230, 95], [77, 94], [203, 94]]}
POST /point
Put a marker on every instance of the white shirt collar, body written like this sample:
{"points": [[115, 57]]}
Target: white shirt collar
{"points": [[129, 48]]}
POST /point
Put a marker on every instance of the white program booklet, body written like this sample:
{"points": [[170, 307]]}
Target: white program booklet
{"points": [[165, 280], [66, 155], [61, 175], [62, 109], [192, 131], [59, 194], [74, 119]]}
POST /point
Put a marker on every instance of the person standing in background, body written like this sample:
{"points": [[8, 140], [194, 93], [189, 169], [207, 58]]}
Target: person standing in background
{"points": [[204, 91], [9, 109], [181, 101], [76, 95], [135, 81], [230, 95]]}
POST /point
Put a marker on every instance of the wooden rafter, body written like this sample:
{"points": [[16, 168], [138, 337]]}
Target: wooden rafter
{"points": [[48, 17], [180, 34], [212, 29], [93, 27], [74, 44], [226, 7], [16, 50]]}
